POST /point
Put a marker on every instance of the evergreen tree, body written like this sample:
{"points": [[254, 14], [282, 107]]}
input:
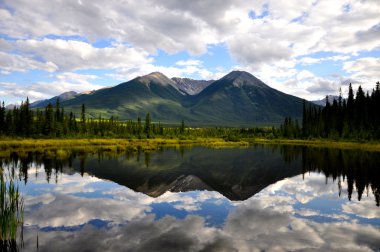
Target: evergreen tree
{"points": [[83, 118], [182, 129], [147, 126], [49, 121]]}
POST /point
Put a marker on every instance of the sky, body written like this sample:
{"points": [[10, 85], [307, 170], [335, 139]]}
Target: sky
{"points": [[304, 48]]}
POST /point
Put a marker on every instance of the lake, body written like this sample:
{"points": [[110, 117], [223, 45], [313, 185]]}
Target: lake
{"points": [[201, 199]]}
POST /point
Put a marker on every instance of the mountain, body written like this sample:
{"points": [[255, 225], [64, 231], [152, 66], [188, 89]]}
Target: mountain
{"points": [[12, 106], [323, 101], [62, 97], [154, 93], [237, 174], [190, 86], [238, 99]]}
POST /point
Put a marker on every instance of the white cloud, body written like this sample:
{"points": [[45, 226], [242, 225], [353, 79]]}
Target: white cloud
{"points": [[18, 63], [145, 24], [267, 221], [69, 55], [364, 70], [64, 82], [286, 31], [173, 26], [252, 49], [63, 210], [343, 28], [364, 209], [180, 71], [311, 60], [303, 83]]}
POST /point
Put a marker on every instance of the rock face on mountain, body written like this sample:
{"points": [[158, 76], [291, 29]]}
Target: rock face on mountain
{"points": [[181, 184], [190, 86], [238, 99]]}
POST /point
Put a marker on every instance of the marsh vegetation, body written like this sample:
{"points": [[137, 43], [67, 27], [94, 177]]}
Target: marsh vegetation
{"points": [[11, 211]]}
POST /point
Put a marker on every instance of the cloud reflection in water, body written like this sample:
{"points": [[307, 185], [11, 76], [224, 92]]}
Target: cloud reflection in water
{"points": [[288, 215]]}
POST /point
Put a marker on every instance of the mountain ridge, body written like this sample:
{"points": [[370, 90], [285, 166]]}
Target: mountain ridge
{"points": [[238, 99], [62, 97]]}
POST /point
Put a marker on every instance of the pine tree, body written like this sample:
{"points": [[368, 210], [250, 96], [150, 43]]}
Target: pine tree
{"points": [[182, 129], [147, 125], [83, 118], [49, 120]]}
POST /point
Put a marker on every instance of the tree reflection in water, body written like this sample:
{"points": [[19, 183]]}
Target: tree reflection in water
{"points": [[269, 206], [237, 174]]}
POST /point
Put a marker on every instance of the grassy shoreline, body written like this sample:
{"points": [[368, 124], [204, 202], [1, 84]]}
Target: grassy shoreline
{"points": [[7, 145], [321, 143]]}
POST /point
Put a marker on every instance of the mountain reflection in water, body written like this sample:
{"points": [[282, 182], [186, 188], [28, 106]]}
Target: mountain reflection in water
{"points": [[202, 199]]}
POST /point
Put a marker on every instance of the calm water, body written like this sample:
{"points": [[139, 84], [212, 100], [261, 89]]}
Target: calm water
{"points": [[201, 199]]}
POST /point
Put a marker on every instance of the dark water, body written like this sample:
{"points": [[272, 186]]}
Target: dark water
{"points": [[200, 199]]}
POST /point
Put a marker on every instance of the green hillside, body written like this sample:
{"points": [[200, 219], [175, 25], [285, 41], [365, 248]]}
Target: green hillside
{"points": [[241, 98], [237, 99]]}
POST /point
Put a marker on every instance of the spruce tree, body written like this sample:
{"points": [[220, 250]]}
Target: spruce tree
{"points": [[147, 126]]}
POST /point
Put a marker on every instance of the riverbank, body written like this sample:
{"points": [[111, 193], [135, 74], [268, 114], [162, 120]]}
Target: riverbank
{"points": [[55, 145], [321, 143], [43, 145]]}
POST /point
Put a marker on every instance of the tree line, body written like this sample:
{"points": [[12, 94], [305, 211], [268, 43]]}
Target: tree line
{"points": [[357, 117], [358, 170], [52, 121], [55, 122]]}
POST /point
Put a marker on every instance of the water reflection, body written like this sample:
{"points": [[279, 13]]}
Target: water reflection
{"points": [[236, 173], [283, 198]]}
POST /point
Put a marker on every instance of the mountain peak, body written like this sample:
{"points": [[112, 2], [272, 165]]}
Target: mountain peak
{"points": [[67, 95], [157, 78], [241, 78], [156, 75]]}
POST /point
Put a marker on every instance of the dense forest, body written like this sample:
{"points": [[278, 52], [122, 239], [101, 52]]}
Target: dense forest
{"points": [[357, 117], [54, 122]]}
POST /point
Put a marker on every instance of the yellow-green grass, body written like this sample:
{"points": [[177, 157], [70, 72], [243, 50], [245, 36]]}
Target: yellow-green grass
{"points": [[322, 143], [62, 147]]}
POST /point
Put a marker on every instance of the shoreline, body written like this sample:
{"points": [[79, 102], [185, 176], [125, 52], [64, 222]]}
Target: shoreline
{"points": [[117, 144], [321, 143]]}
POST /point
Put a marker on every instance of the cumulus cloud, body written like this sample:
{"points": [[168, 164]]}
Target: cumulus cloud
{"points": [[249, 227], [364, 69], [252, 49], [306, 84], [268, 38], [173, 26], [18, 63], [66, 81], [270, 220], [183, 70], [283, 233], [312, 60], [145, 24], [69, 55]]}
